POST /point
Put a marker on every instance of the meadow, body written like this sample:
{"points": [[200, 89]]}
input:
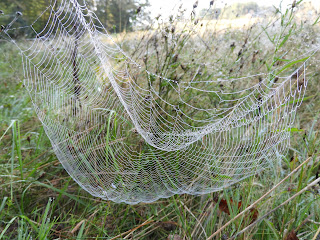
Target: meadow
{"points": [[39, 200]]}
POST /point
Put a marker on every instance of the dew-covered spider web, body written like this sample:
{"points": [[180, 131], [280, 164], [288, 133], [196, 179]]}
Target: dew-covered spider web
{"points": [[131, 133]]}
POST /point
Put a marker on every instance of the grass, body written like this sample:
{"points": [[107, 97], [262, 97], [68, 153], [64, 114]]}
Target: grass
{"points": [[39, 200]]}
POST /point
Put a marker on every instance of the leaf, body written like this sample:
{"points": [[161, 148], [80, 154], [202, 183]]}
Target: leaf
{"points": [[6, 228], [220, 177], [292, 236], [3, 204], [254, 213], [79, 237], [316, 21], [266, 32], [223, 205], [290, 130], [251, 216], [300, 100], [292, 63], [295, 130], [285, 39], [76, 228], [282, 60]]}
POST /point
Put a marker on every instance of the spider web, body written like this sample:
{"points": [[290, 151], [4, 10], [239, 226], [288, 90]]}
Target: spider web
{"points": [[121, 139]]}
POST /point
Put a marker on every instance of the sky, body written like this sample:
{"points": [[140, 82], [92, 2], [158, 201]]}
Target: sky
{"points": [[164, 7]]}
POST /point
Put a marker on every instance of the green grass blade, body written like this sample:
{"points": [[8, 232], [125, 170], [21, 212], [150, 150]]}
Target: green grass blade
{"points": [[80, 234], [6, 228]]}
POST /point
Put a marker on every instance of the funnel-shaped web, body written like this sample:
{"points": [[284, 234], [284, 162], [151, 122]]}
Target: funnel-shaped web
{"points": [[121, 140]]}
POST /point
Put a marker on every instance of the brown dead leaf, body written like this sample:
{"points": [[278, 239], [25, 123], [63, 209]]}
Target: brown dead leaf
{"points": [[292, 236], [253, 215], [223, 205], [77, 227]]}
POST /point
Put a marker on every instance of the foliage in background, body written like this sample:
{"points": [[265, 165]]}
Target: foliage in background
{"points": [[120, 15], [233, 11], [116, 15]]}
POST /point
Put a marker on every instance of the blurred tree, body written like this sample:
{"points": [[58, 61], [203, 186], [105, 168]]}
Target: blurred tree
{"points": [[30, 9], [232, 11], [240, 9], [210, 13], [115, 15], [120, 15]]}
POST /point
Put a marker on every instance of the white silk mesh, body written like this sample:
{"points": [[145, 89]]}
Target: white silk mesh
{"points": [[121, 140]]}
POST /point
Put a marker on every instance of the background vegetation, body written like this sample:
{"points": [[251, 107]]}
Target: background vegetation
{"points": [[115, 15], [38, 199]]}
